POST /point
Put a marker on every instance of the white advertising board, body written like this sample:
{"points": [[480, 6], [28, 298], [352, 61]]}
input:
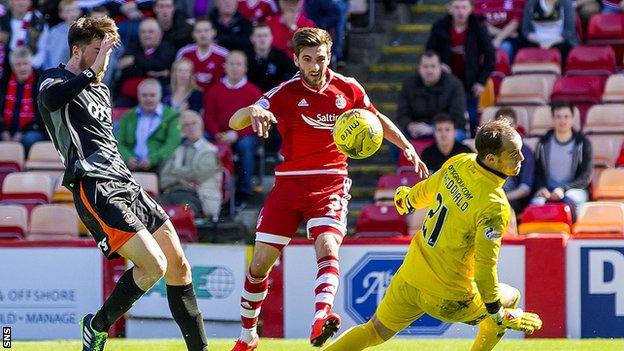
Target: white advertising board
{"points": [[44, 292], [218, 276], [366, 271]]}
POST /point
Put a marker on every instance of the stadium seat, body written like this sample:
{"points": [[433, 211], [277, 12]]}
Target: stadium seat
{"points": [[605, 118], [53, 222], [531, 143], [606, 148], [582, 91], [536, 60], [610, 185], [387, 184], [547, 218], [26, 188], [600, 218], [148, 181], [614, 89], [542, 121], [183, 221], [13, 221], [607, 29], [380, 221], [590, 61], [419, 145], [61, 194], [43, 156], [11, 158], [503, 66], [524, 90], [522, 116]]}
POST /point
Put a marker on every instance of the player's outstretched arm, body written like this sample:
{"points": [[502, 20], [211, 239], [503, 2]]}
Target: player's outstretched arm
{"points": [[259, 118], [394, 135]]}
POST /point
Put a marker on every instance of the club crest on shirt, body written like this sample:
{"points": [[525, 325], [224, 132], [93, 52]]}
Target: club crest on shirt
{"points": [[129, 218], [341, 102], [492, 234]]}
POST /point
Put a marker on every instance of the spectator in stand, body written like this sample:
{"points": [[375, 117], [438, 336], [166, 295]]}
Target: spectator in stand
{"points": [[612, 6], [503, 21], [257, 11], [184, 93], [465, 46], [267, 66], [550, 24], [173, 23], [56, 48], [193, 175], [519, 188], [129, 14], [207, 57], [222, 100], [233, 30], [194, 8], [446, 145], [24, 26], [150, 57], [150, 133], [563, 161], [510, 113], [20, 120], [427, 93], [284, 25], [332, 16]]}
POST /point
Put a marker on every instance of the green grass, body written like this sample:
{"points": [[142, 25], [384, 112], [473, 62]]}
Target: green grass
{"points": [[292, 345]]}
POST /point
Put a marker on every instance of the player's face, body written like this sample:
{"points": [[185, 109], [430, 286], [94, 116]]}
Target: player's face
{"points": [[564, 120], [444, 133], [313, 63], [88, 54], [510, 159], [262, 38], [460, 10], [203, 33], [235, 67]]}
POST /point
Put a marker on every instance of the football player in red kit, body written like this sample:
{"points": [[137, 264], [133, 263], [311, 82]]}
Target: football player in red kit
{"points": [[311, 184]]}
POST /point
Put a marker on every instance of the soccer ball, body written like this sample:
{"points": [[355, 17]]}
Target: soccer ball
{"points": [[358, 133]]}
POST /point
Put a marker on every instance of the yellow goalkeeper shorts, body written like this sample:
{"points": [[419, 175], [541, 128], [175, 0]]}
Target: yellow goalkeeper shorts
{"points": [[403, 304]]}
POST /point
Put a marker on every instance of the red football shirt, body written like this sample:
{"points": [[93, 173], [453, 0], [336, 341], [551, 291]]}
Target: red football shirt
{"points": [[499, 13], [305, 119], [208, 67], [282, 35], [259, 11], [458, 59]]}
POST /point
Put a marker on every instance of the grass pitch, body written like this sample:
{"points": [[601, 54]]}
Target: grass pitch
{"points": [[302, 345]]}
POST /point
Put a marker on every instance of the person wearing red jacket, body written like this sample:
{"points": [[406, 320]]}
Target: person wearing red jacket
{"points": [[221, 101]]}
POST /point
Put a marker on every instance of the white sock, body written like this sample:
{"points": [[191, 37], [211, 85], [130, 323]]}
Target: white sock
{"points": [[248, 335]]}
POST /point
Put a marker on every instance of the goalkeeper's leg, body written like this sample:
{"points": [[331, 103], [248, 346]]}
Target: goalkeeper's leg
{"points": [[490, 333], [360, 337]]}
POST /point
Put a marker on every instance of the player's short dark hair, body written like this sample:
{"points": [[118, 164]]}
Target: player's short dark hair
{"points": [[307, 37], [557, 105], [490, 137], [85, 29], [506, 112], [428, 54], [443, 118]]}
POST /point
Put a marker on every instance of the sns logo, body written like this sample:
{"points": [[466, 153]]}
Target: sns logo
{"points": [[606, 269], [376, 284], [99, 112]]}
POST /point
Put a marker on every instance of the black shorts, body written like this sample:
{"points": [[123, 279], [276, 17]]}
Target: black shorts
{"points": [[114, 211]]}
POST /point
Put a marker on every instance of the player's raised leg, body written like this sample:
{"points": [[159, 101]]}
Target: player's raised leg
{"points": [[256, 288], [180, 292], [490, 333], [150, 265]]}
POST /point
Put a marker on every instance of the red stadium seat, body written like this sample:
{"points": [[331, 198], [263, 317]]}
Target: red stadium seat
{"points": [[27, 188], [600, 218], [117, 113], [547, 218], [183, 220], [11, 158], [607, 29], [148, 181], [536, 60], [419, 145], [380, 221], [503, 66], [590, 61], [53, 222], [582, 91], [43, 156], [388, 183], [13, 221]]}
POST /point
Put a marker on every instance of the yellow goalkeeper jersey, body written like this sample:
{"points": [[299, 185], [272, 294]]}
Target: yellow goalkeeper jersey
{"points": [[455, 253]]}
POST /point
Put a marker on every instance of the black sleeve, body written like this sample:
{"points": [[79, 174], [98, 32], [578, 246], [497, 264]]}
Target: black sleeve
{"points": [[585, 168], [56, 92]]}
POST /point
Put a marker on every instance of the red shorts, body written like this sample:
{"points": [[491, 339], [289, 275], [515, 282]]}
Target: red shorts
{"points": [[320, 200]]}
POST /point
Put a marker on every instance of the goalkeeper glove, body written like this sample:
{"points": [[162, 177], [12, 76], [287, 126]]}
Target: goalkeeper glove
{"points": [[517, 319], [401, 201]]}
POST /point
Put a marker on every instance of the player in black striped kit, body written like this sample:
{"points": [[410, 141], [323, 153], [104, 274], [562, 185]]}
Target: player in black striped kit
{"points": [[123, 219]]}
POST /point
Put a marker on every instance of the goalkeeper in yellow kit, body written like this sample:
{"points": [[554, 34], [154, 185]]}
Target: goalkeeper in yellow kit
{"points": [[450, 268]]}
